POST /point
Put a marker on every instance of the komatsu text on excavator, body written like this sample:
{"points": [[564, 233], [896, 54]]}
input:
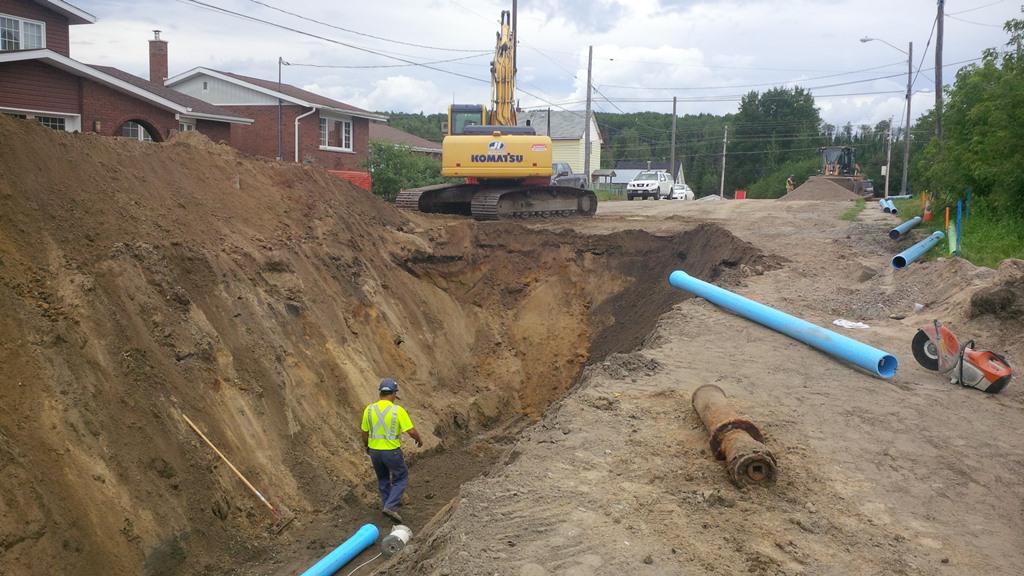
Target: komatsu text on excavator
{"points": [[506, 168]]}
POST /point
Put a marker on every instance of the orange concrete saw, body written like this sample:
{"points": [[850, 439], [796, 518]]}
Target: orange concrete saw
{"points": [[938, 349]]}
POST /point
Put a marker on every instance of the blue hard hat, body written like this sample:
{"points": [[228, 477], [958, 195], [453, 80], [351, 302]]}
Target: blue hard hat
{"points": [[388, 385]]}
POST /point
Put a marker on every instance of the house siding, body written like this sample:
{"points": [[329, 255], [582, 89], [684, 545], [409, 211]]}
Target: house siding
{"points": [[56, 24], [215, 131], [221, 93], [260, 139], [105, 110], [36, 86]]}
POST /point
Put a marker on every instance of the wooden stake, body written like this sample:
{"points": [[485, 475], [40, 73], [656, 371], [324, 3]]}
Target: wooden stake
{"points": [[230, 465]]}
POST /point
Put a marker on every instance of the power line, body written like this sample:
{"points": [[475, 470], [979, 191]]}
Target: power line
{"points": [[375, 66], [359, 48], [924, 54], [356, 32], [975, 8], [838, 74], [973, 22]]}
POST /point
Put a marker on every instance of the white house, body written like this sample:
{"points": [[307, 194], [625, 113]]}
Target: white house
{"points": [[567, 136]]}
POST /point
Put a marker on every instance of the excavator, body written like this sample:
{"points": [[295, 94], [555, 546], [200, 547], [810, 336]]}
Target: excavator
{"points": [[506, 168]]}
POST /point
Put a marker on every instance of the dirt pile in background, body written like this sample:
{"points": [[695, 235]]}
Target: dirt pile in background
{"points": [[139, 282], [820, 188]]}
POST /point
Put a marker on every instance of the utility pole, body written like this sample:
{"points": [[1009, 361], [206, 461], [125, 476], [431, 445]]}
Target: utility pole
{"points": [[725, 143], [549, 123], [906, 133], [586, 129], [940, 19], [888, 157], [672, 166], [280, 112]]}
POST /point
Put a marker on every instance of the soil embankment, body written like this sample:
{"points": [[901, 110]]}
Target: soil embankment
{"points": [[140, 282]]}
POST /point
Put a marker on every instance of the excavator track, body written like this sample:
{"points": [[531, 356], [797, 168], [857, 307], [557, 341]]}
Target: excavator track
{"points": [[500, 202], [533, 202]]}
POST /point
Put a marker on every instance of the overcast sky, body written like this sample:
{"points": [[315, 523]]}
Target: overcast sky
{"points": [[643, 49]]}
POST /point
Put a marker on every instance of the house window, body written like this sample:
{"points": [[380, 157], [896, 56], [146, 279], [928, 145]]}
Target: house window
{"points": [[135, 131], [325, 132], [15, 115], [335, 135], [20, 34], [186, 126], [54, 122], [346, 134]]}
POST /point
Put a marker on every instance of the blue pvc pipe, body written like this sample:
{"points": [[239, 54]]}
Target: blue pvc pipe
{"points": [[873, 360], [901, 197], [349, 549], [882, 204], [892, 207], [905, 258], [902, 229]]}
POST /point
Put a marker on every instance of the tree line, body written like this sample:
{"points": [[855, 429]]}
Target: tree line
{"points": [[777, 133]]}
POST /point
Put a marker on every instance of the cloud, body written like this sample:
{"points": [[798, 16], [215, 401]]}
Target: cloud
{"points": [[692, 45], [394, 93]]}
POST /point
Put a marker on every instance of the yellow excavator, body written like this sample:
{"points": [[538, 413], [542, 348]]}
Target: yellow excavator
{"points": [[506, 168]]}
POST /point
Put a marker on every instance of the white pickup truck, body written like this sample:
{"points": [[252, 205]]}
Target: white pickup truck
{"points": [[656, 184]]}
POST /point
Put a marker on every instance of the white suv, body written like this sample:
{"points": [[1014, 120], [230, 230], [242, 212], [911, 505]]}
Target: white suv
{"points": [[655, 184]]}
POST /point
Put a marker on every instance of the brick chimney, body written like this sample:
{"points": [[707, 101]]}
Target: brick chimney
{"points": [[157, 59]]}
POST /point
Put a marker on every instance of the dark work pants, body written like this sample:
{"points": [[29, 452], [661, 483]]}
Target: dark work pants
{"points": [[392, 476]]}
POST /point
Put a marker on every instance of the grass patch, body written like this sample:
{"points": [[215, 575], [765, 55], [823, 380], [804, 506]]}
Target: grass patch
{"points": [[608, 196], [853, 211], [988, 238]]}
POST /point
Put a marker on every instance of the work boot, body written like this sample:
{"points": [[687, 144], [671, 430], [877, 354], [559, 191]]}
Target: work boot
{"points": [[393, 514]]}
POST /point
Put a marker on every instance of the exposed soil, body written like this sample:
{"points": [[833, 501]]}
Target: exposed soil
{"points": [[142, 282], [821, 189], [549, 367], [909, 476]]}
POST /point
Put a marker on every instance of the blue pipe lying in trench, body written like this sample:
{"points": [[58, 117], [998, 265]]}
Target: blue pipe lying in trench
{"points": [[905, 258], [902, 229], [873, 360], [892, 207], [349, 549], [882, 204]]}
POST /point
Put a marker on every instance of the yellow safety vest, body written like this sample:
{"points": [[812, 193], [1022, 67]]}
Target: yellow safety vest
{"points": [[385, 421]]}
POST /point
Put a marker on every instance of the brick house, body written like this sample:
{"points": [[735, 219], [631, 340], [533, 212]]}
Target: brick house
{"points": [[312, 128], [380, 132], [41, 81]]}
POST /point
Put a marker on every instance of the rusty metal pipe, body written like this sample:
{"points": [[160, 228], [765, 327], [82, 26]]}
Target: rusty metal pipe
{"points": [[734, 438]]}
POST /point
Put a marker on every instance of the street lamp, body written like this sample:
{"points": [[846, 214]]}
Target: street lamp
{"points": [[910, 72]]}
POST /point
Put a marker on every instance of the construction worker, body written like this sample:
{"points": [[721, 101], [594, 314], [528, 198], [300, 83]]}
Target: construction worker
{"points": [[790, 184], [383, 423]]}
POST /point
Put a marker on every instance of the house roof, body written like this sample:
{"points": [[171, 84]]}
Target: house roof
{"points": [[126, 83], [565, 124], [384, 133], [196, 105], [285, 92], [640, 165], [74, 14]]}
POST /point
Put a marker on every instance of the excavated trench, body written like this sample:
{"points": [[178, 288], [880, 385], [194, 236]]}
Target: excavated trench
{"points": [[264, 302], [561, 300]]}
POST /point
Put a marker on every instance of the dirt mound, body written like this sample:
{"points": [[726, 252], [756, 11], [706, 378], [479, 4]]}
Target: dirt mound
{"points": [[142, 281], [819, 188], [1005, 297]]}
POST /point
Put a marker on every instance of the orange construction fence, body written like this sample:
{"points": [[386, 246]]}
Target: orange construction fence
{"points": [[357, 177]]}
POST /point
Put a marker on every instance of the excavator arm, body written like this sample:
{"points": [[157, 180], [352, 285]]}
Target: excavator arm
{"points": [[503, 75]]}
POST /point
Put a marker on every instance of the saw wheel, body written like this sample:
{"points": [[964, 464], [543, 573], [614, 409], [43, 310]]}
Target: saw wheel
{"points": [[925, 351]]}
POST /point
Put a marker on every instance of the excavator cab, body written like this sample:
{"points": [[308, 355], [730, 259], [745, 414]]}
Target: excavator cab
{"points": [[462, 115], [838, 161]]}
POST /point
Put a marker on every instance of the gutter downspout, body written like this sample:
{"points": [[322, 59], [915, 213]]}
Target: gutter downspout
{"points": [[311, 111]]}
